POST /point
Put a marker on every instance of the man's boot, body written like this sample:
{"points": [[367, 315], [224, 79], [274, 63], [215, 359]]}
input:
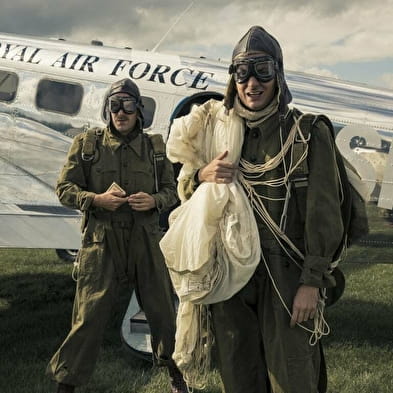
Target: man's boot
{"points": [[63, 388], [178, 385]]}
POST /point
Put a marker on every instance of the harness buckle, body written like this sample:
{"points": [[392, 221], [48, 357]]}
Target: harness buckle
{"points": [[87, 157], [300, 181]]}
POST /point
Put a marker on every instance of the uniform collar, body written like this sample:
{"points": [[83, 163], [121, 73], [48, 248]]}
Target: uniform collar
{"points": [[115, 141]]}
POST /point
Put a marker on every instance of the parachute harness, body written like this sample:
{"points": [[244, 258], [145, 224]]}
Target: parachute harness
{"points": [[249, 176]]}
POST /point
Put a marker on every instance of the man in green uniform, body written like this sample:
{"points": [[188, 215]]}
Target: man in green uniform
{"points": [[267, 333], [120, 236]]}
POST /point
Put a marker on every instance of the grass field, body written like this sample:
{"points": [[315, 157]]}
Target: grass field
{"points": [[36, 294]]}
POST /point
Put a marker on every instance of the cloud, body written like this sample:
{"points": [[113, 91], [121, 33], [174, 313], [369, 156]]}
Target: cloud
{"points": [[314, 34], [309, 41]]}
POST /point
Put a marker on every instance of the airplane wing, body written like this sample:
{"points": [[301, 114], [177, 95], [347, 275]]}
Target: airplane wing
{"points": [[31, 156]]}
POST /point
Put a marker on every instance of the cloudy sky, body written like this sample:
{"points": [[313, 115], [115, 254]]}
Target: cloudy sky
{"points": [[348, 39]]}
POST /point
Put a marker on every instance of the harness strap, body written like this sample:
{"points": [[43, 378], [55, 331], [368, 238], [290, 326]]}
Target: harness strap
{"points": [[299, 177], [90, 142], [298, 180], [159, 155], [89, 148]]}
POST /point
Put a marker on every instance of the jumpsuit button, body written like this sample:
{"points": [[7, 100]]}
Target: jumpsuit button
{"points": [[255, 133]]}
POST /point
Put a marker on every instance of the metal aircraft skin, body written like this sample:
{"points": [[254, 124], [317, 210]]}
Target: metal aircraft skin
{"points": [[51, 89]]}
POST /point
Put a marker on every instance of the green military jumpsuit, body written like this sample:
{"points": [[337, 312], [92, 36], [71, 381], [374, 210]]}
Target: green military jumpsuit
{"points": [[116, 247], [257, 350]]}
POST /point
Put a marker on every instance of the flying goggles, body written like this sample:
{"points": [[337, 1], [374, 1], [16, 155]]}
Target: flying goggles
{"points": [[262, 68], [128, 105]]}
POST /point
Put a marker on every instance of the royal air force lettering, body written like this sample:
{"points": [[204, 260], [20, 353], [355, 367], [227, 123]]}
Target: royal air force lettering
{"points": [[163, 73], [150, 70], [14, 52]]}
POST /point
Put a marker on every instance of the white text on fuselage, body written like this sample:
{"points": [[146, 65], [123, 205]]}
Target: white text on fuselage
{"points": [[137, 70]]}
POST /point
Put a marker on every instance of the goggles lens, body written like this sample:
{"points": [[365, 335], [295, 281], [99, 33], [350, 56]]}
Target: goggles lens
{"points": [[127, 104], [263, 68]]}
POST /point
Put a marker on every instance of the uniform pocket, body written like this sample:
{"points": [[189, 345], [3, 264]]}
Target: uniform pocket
{"points": [[94, 233], [91, 254], [102, 176], [143, 180]]}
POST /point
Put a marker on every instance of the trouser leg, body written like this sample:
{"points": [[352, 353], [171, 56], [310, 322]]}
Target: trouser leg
{"points": [[257, 350], [74, 361], [294, 365], [155, 292], [239, 343]]}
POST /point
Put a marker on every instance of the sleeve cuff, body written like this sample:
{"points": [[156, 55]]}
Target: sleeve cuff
{"points": [[158, 203], [86, 200], [315, 272], [196, 181], [187, 185]]}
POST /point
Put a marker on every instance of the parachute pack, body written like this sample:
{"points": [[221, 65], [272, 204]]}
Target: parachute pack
{"points": [[353, 206], [354, 196]]}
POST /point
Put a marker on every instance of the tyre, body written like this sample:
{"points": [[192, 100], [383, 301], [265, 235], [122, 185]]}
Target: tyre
{"points": [[66, 255]]}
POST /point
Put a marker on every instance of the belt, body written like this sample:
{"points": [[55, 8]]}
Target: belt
{"points": [[121, 219]]}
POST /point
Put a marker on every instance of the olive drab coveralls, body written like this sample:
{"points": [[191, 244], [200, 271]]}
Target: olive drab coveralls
{"points": [[116, 247], [257, 350]]}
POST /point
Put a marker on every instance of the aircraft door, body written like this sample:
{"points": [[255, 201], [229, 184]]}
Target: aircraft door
{"points": [[182, 109]]}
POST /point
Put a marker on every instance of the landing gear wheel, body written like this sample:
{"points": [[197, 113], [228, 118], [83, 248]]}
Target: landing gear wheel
{"points": [[66, 255]]}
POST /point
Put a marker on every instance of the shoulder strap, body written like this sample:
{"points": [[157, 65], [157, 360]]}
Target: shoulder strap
{"points": [[89, 148], [299, 177], [159, 155], [306, 124], [157, 143]]}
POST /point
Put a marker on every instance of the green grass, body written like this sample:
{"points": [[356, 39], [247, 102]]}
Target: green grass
{"points": [[359, 350], [36, 294]]}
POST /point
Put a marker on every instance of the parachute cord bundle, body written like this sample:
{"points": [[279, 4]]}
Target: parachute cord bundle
{"points": [[75, 270], [196, 369], [248, 178], [321, 327]]}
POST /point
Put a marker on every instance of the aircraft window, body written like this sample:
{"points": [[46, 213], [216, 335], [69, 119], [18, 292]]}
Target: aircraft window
{"points": [[149, 107], [8, 85], [59, 96]]}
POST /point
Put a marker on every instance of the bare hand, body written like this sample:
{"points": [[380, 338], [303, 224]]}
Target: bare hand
{"points": [[110, 200], [304, 304], [141, 201], [218, 170]]}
